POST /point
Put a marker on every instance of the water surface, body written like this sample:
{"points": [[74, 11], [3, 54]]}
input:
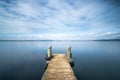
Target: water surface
{"points": [[94, 60]]}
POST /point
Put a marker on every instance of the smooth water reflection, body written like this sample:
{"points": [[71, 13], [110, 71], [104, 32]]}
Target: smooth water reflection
{"points": [[94, 60]]}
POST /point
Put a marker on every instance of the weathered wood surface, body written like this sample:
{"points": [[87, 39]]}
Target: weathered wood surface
{"points": [[59, 69]]}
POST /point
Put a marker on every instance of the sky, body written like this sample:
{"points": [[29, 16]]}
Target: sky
{"points": [[60, 19]]}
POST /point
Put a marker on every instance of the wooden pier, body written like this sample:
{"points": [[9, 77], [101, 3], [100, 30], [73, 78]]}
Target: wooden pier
{"points": [[59, 67]]}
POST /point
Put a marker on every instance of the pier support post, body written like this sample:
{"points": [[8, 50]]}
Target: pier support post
{"points": [[49, 53], [69, 54]]}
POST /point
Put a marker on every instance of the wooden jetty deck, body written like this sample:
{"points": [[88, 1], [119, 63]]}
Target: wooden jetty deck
{"points": [[58, 68]]}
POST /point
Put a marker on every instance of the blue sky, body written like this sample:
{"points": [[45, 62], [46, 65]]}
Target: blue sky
{"points": [[60, 19]]}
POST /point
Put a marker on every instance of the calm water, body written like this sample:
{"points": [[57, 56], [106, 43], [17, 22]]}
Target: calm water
{"points": [[94, 60]]}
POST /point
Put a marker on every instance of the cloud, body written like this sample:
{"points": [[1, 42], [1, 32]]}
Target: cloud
{"points": [[59, 18]]}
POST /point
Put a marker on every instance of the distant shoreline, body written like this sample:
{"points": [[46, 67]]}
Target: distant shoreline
{"points": [[64, 40]]}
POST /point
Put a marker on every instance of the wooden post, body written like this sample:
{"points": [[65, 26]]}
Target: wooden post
{"points": [[49, 53], [69, 54]]}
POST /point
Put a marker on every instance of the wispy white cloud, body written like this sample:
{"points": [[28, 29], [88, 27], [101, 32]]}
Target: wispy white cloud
{"points": [[61, 19]]}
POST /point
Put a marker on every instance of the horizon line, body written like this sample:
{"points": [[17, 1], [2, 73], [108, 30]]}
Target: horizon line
{"points": [[66, 40]]}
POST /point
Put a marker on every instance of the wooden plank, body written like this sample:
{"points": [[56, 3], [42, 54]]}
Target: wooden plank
{"points": [[59, 69]]}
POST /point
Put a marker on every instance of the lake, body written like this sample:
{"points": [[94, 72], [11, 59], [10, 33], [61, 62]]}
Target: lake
{"points": [[94, 60]]}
